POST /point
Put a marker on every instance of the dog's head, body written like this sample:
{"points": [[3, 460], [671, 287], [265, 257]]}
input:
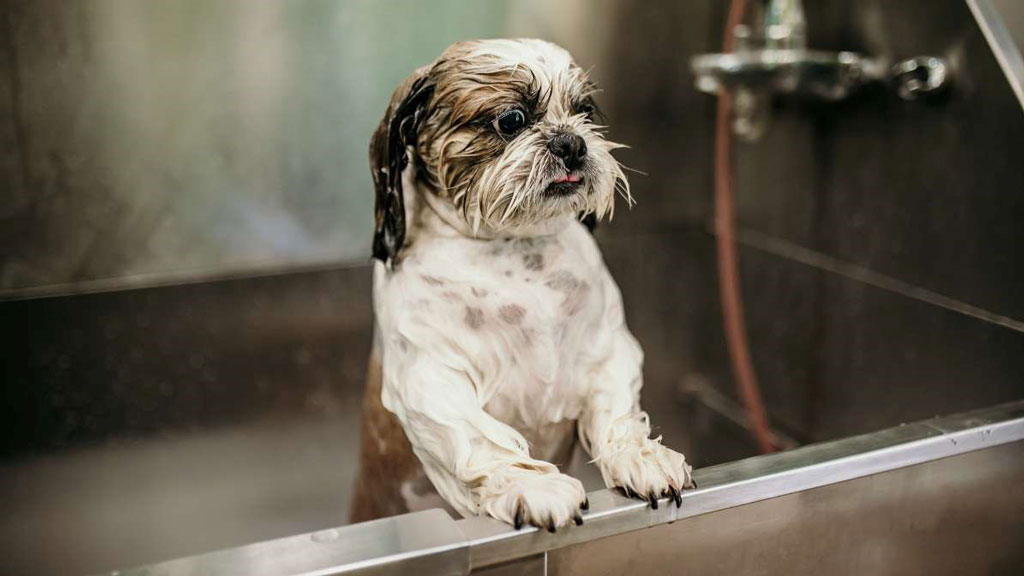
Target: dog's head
{"points": [[505, 131]]}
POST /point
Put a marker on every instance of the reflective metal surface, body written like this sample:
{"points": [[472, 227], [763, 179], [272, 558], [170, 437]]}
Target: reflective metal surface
{"points": [[770, 56], [877, 235], [435, 544], [827, 75], [920, 76], [426, 543], [957, 516], [761, 478], [991, 20]]}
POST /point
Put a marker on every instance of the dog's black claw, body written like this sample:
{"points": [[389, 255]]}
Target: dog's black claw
{"points": [[630, 493], [519, 516], [678, 497], [693, 484], [551, 525], [653, 499], [578, 519], [586, 504]]}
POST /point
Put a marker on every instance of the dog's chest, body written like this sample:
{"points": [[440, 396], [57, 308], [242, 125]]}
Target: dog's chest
{"points": [[526, 317]]}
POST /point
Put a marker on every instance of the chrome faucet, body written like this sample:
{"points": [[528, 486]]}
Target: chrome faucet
{"points": [[784, 26], [770, 56]]}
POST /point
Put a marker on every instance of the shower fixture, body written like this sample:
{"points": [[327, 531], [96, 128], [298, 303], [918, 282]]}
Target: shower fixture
{"points": [[770, 56]]}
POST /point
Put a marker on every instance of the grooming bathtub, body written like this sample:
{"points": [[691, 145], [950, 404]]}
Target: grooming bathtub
{"points": [[940, 496]]}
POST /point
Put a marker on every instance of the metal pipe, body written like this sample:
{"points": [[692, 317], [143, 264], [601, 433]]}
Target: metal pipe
{"points": [[733, 317]]}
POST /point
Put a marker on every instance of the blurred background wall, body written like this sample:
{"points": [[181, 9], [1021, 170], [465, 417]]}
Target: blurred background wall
{"points": [[184, 228], [173, 138]]}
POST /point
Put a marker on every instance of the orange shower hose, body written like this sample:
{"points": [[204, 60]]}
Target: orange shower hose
{"points": [[728, 270]]}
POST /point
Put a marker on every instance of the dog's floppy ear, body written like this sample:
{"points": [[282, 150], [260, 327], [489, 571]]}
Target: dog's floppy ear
{"points": [[389, 157]]}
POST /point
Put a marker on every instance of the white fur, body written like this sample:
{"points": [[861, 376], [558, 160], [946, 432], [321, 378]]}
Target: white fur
{"points": [[477, 403], [494, 341]]}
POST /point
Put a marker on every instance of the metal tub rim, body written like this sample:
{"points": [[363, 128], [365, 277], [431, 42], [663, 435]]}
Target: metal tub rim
{"points": [[433, 543]]}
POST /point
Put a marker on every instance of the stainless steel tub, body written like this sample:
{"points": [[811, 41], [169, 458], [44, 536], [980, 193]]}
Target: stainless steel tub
{"points": [[940, 496]]}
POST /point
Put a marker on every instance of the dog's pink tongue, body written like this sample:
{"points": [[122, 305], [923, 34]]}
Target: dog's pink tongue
{"points": [[567, 178]]}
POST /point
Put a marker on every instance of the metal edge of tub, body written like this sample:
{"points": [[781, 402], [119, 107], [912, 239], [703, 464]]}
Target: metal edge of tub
{"points": [[431, 543], [1001, 43]]}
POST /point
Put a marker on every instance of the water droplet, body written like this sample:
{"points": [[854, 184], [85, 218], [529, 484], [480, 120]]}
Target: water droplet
{"points": [[325, 535]]}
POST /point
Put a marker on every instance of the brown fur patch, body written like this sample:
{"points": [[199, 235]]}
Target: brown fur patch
{"points": [[563, 282], [512, 313], [533, 261], [474, 317], [575, 300], [469, 93], [386, 460]]}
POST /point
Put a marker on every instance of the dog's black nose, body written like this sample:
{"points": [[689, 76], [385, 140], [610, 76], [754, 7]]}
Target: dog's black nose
{"points": [[571, 148]]}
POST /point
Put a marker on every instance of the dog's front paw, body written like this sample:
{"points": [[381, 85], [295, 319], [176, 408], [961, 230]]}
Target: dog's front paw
{"points": [[527, 496], [647, 470]]}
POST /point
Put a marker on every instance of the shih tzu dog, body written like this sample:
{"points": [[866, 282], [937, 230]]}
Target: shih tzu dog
{"points": [[499, 331]]}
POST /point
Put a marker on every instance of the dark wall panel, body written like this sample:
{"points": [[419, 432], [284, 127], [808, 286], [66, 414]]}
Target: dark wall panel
{"points": [[124, 364]]}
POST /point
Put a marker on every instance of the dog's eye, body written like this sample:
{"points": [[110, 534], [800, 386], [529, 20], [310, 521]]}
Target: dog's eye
{"points": [[510, 121], [585, 108]]}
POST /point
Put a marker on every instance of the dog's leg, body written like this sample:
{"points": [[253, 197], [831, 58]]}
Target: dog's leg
{"points": [[616, 432], [479, 465]]}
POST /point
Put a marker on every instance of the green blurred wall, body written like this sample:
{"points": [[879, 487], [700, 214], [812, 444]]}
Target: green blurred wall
{"points": [[160, 139]]}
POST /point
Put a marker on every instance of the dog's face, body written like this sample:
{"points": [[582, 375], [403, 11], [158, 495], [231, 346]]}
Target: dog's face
{"points": [[505, 131]]}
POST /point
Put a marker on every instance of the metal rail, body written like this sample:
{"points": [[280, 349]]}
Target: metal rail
{"points": [[432, 543]]}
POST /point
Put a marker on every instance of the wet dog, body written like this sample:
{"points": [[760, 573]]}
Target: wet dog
{"points": [[499, 332]]}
